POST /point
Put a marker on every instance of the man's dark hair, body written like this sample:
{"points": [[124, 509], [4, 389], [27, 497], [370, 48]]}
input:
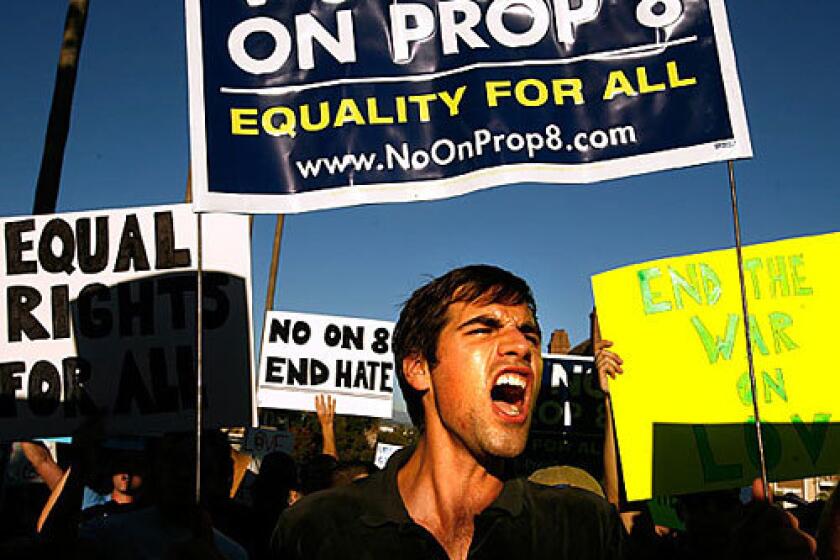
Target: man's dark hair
{"points": [[424, 315]]}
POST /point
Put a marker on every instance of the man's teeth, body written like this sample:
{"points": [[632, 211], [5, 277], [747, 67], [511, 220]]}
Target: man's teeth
{"points": [[510, 379]]}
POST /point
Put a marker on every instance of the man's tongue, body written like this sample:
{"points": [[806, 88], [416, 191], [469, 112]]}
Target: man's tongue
{"points": [[508, 398]]}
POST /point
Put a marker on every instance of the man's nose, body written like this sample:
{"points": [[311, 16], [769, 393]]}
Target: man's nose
{"points": [[515, 343]]}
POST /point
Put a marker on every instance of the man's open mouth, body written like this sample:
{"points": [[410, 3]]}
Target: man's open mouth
{"points": [[508, 394]]}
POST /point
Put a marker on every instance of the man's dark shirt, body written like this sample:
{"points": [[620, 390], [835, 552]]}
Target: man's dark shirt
{"points": [[368, 520]]}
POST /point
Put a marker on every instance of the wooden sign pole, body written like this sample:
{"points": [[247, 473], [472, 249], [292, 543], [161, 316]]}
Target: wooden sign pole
{"points": [[58, 126], [272, 279], [275, 263]]}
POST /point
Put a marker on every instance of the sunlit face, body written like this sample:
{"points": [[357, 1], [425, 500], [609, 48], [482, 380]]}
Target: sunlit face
{"points": [[487, 377]]}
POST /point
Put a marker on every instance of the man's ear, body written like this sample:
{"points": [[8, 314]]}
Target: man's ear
{"points": [[416, 371], [293, 497]]}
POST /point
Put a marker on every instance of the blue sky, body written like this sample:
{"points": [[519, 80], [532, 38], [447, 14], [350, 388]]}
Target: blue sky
{"points": [[129, 147]]}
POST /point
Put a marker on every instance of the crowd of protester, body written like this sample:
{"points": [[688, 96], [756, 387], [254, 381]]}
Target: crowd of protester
{"points": [[135, 498], [130, 497]]}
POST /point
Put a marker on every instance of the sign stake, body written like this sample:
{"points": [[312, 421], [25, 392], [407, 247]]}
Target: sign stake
{"points": [[272, 282], [745, 312], [272, 272], [58, 126], [199, 343], [275, 262]]}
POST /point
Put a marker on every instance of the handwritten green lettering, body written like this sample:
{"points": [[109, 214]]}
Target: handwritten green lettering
{"points": [[691, 287], [780, 321], [648, 295], [711, 284], [714, 346], [798, 289], [778, 276], [770, 385], [751, 266], [776, 385], [756, 337]]}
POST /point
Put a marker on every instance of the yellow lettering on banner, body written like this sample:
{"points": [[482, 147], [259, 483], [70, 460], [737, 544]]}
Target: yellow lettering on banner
{"points": [[287, 121], [618, 84], [644, 85], [402, 109], [495, 90], [323, 120], [240, 119], [682, 407], [674, 79], [348, 111], [283, 120], [453, 101], [422, 101], [567, 87], [532, 92], [538, 86], [373, 113]]}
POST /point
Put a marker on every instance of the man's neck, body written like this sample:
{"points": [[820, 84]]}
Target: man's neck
{"points": [[121, 498], [444, 487]]}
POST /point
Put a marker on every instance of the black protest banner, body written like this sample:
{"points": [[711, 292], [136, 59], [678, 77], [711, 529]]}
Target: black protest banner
{"points": [[567, 427], [299, 106], [99, 310]]}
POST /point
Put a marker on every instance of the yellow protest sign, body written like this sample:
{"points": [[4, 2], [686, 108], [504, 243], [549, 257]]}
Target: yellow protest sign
{"points": [[683, 408]]}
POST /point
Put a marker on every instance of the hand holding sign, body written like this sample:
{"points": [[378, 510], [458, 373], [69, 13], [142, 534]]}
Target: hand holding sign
{"points": [[325, 407], [607, 363]]}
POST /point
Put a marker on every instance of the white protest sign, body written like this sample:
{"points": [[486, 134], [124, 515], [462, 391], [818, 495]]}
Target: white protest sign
{"points": [[304, 355], [383, 453], [99, 314]]}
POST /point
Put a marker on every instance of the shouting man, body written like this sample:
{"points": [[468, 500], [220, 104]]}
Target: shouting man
{"points": [[467, 352]]}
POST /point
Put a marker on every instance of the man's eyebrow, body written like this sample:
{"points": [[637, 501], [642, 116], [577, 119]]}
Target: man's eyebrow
{"points": [[485, 320], [530, 328], [493, 322]]}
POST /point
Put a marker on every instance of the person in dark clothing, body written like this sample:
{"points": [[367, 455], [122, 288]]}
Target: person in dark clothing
{"points": [[768, 532], [317, 474], [710, 519], [467, 356], [171, 524], [350, 471], [276, 488], [126, 471], [828, 532]]}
